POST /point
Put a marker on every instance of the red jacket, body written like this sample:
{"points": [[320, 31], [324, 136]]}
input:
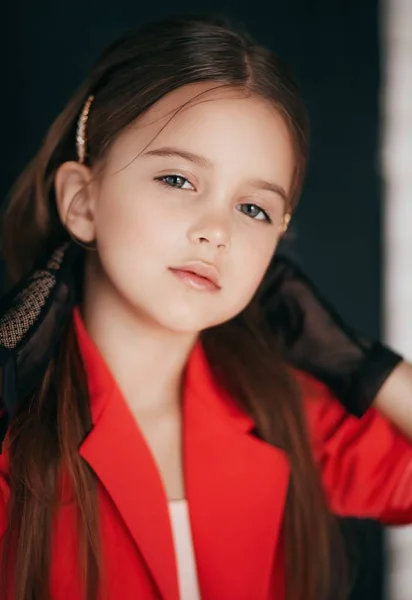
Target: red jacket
{"points": [[236, 487]]}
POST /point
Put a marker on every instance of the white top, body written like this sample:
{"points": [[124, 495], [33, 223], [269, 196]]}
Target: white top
{"points": [[185, 557]]}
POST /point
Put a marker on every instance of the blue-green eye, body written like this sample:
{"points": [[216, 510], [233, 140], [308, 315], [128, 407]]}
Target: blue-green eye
{"points": [[254, 212], [175, 181]]}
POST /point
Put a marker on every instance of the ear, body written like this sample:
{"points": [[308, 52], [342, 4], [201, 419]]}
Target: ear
{"points": [[76, 197]]}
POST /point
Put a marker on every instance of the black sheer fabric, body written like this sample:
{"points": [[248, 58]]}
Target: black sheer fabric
{"points": [[32, 317], [313, 338]]}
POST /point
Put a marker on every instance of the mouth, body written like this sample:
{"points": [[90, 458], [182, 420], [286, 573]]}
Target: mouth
{"points": [[198, 275]]}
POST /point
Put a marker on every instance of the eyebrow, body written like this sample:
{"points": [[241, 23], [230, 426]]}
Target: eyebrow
{"points": [[170, 152], [261, 184]]}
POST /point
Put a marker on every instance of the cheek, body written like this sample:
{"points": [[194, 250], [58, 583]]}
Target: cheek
{"points": [[251, 261], [132, 221]]}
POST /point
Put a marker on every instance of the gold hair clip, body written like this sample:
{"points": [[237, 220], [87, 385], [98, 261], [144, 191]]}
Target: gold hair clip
{"points": [[81, 136]]}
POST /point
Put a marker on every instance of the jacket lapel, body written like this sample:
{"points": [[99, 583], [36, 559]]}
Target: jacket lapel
{"points": [[117, 452], [236, 487]]}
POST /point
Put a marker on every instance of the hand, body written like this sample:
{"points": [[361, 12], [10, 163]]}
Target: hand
{"points": [[313, 338]]}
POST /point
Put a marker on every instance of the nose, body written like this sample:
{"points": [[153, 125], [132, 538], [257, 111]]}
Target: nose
{"points": [[212, 230]]}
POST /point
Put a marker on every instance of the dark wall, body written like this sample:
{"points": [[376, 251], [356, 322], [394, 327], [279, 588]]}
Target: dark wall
{"points": [[333, 47]]}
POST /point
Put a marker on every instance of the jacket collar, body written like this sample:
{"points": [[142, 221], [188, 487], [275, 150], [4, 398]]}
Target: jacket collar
{"points": [[235, 484]]}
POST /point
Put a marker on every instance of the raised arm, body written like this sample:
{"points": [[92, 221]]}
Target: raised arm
{"points": [[365, 464]]}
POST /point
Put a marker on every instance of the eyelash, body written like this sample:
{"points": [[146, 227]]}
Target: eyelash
{"points": [[163, 178], [163, 181]]}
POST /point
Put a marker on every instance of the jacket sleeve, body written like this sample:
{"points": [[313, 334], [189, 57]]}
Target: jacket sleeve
{"points": [[365, 464]]}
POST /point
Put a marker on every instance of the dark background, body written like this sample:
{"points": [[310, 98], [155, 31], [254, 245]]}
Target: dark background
{"points": [[333, 47]]}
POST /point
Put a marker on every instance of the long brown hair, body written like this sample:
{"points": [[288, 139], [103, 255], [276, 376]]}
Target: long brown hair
{"points": [[131, 75]]}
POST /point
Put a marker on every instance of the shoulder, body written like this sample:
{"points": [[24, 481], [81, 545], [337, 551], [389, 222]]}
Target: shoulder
{"points": [[327, 419], [317, 400]]}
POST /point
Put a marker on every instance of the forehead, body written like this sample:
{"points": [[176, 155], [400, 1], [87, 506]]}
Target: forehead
{"points": [[228, 126]]}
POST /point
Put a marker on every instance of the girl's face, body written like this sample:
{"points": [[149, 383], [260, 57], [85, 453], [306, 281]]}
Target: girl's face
{"points": [[188, 210]]}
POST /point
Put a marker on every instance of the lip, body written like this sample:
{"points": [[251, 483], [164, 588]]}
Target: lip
{"points": [[199, 275]]}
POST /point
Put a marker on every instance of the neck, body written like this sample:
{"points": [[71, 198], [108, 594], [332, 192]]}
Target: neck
{"points": [[146, 360]]}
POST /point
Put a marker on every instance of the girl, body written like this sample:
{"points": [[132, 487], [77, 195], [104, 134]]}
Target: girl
{"points": [[156, 447]]}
